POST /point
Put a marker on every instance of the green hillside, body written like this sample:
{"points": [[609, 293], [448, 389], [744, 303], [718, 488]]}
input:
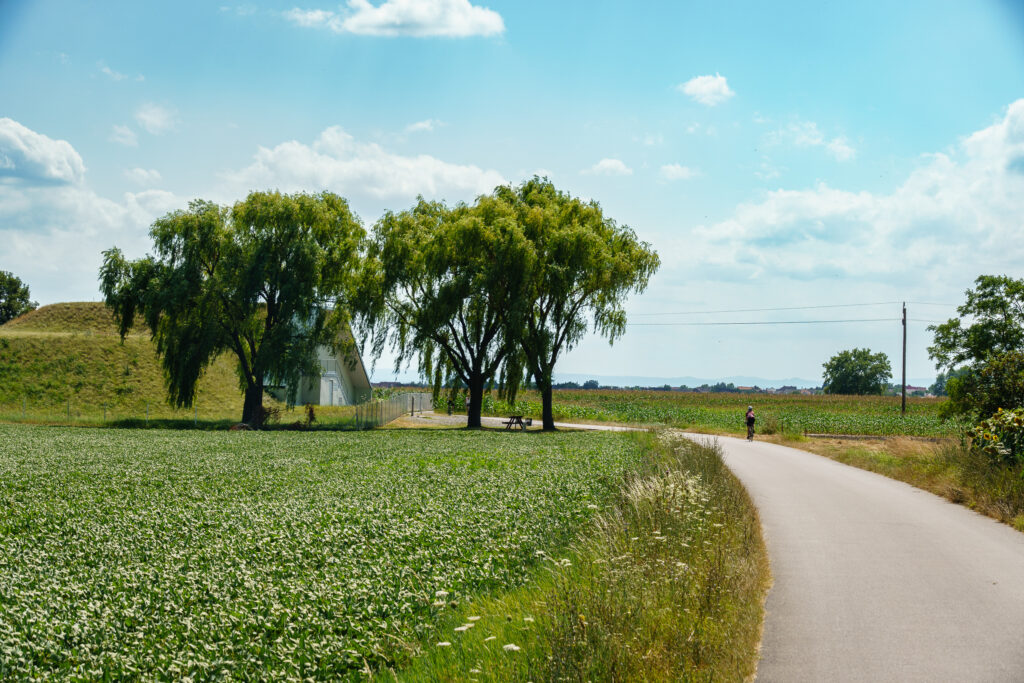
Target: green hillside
{"points": [[71, 352]]}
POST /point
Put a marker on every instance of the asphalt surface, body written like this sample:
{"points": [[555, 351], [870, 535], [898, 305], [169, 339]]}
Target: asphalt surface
{"points": [[875, 580]]}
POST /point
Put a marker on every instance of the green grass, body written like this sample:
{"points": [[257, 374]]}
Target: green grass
{"points": [[781, 413], [66, 363], [667, 587], [163, 554]]}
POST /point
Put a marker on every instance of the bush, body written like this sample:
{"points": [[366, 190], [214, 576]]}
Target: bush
{"points": [[1001, 437]]}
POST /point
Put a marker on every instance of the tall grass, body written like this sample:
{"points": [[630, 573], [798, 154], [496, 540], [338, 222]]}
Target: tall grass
{"points": [[667, 586]]}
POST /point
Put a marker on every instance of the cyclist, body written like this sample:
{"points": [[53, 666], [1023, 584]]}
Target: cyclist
{"points": [[750, 423]]}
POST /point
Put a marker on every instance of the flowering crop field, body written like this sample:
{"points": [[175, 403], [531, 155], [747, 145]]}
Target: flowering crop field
{"points": [[162, 554], [878, 415]]}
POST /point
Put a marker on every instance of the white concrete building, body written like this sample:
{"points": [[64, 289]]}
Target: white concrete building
{"points": [[342, 382]]}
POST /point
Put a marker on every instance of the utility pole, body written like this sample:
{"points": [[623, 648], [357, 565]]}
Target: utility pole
{"points": [[903, 406]]}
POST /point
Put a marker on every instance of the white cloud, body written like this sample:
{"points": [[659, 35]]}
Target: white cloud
{"points": [[123, 135], [419, 18], [425, 126], [608, 167], [958, 211], [143, 176], [156, 119], [117, 75], [840, 149], [31, 157], [678, 172], [315, 18], [807, 134], [707, 90], [650, 139], [337, 162]]}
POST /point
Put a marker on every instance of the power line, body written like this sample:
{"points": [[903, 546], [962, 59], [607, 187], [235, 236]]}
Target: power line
{"points": [[768, 322], [781, 308]]}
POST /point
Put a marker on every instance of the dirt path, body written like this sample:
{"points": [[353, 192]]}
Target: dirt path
{"points": [[429, 418], [876, 580]]}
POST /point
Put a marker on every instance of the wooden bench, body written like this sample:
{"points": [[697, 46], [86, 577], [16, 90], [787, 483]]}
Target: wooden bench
{"points": [[517, 421]]}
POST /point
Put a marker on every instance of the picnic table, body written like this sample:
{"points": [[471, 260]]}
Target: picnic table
{"points": [[517, 421]]}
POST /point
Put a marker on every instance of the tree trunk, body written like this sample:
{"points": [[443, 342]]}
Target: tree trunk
{"points": [[547, 413], [252, 409], [476, 401]]}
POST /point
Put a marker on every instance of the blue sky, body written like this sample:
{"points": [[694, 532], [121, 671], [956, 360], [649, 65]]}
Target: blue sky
{"points": [[776, 155]]}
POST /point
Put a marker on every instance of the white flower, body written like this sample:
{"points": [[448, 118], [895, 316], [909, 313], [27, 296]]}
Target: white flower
{"points": [[444, 643], [511, 647], [489, 638], [441, 594], [473, 618]]}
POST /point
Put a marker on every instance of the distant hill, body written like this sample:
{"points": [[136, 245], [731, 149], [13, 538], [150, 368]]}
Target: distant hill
{"points": [[71, 351]]}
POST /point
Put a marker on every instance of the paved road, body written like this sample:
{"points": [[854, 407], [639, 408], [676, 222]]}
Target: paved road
{"points": [[876, 580]]}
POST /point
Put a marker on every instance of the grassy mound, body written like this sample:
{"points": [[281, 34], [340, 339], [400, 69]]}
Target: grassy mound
{"points": [[71, 352], [76, 317]]}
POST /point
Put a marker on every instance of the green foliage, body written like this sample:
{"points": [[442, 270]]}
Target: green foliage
{"points": [[1001, 437], [14, 297], [723, 412], [993, 385], [584, 266], [447, 286], [227, 555], [857, 371], [267, 280], [990, 347], [667, 587], [995, 308], [940, 386]]}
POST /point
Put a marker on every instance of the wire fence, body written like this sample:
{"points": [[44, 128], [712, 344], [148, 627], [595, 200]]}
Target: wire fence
{"points": [[213, 415]]}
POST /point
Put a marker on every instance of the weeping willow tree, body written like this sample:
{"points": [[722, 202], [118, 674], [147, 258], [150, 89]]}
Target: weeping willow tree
{"points": [[446, 287], [584, 266], [267, 280]]}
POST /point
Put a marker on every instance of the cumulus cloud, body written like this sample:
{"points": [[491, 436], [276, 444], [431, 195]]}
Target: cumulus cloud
{"points": [[964, 204], [156, 119], [123, 135], [53, 227], [707, 90], [425, 126], [608, 167], [418, 18], [31, 157], [678, 172], [117, 75], [807, 134], [143, 176], [338, 162]]}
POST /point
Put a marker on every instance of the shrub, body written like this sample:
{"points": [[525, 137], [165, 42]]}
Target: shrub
{"points": [[1001, 437]]}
